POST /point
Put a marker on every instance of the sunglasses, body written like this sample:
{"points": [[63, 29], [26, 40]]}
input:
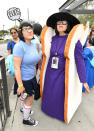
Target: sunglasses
{"points": [[92, 30], [62, 23], [13, 32]]}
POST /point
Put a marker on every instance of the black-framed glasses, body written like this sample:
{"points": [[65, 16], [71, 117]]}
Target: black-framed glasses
{"points": [[62, 23], [27, 29]]}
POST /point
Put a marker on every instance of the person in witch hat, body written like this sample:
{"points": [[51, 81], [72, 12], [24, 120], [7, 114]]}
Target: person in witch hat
{"points": [[54, 84]]}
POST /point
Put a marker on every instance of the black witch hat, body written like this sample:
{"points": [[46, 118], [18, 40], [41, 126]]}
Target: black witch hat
{"points": [[52, 20]]}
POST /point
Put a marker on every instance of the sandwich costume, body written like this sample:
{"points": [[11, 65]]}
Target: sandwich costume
{"points": [[63, 68]]}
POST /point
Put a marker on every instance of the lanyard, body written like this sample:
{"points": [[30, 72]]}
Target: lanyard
{"points": [[57, 50]]}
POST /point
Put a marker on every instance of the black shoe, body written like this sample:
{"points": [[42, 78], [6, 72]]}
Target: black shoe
{"points": [[30, 122]]}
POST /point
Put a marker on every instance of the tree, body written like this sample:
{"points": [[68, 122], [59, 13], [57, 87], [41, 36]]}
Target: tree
{"points": [[3, 32], [87, 17]]}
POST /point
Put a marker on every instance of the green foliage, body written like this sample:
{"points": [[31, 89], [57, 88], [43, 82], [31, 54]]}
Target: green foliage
{"points": [[3, 41], [87, 17], [16, 26], [87, 4], [3, 32]]}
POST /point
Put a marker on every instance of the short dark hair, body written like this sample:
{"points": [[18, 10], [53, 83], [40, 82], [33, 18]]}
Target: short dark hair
{"points": [[37, 28], [67, 31], [14, 29], [20, 29], [91, 41]]}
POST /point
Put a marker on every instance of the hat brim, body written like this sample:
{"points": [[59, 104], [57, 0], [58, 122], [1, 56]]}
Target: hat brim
{"points": [[52, 20]]}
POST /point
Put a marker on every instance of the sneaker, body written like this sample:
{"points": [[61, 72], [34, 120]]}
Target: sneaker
{"points": [[31, 111], [30, 122]]}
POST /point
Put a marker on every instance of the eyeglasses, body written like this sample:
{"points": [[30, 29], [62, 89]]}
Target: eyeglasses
{"points": [[27, 29], [13, 33], [62, 23]]}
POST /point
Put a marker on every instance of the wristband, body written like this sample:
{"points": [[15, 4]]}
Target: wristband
{"points": [[20, 85]]}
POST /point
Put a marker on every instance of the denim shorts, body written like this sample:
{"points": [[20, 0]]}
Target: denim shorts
{"points": [[30, 86]]}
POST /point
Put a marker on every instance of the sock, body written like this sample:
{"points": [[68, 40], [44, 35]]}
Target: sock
{"points": [[26, 112], [22, 98]]}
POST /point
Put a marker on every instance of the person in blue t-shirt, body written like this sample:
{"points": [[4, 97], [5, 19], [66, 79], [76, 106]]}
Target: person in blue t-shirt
{"points": [[15, 39], [88, 54], [26, 56], [10, 46]]}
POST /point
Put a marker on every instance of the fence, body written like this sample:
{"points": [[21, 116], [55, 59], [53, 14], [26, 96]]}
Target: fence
{"points": [[4, 98]]}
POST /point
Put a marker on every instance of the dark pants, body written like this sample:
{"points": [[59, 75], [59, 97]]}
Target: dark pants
{"points": [[15, 87], [30, 86]]}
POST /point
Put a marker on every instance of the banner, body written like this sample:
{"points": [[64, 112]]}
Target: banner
{"points": [[14, 14]]}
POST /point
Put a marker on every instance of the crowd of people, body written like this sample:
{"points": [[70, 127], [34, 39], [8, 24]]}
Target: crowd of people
{"points": [[26, 49]]}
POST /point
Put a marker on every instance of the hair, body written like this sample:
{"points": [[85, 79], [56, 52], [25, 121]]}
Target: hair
{"points": [[37, 28], [90, 35], [67, 30], [20, 34], [91, 41], [14, 29]]}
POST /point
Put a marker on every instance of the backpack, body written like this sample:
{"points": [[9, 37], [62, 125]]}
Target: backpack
{"points": [[10, 63]]}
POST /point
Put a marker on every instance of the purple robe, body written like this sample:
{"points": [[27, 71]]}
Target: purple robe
{"points": [[54, 83]]}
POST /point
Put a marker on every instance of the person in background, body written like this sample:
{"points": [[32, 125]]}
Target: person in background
{"points": [[10, 46], [37, 28], [26, 56], [88, 54], [13, 41], [91, 33]]}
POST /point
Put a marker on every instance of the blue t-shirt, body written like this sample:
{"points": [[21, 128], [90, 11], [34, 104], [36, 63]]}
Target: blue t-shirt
{"points": [[11, 45], [30, 56]]}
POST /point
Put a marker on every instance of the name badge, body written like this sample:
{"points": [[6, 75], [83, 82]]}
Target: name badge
{"points": [[55, 61]]}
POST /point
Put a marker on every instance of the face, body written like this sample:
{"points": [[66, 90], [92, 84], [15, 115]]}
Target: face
{"points": [[92, 31], [14, 34], [62, 26], [27, 32], [88, 44]]}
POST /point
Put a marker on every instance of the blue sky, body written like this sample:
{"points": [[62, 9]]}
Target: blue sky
{"points": [[39, 10]]}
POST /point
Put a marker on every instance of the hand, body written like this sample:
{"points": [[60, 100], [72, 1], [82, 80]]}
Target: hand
{"points": [[20, 90], [86, 87]]}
